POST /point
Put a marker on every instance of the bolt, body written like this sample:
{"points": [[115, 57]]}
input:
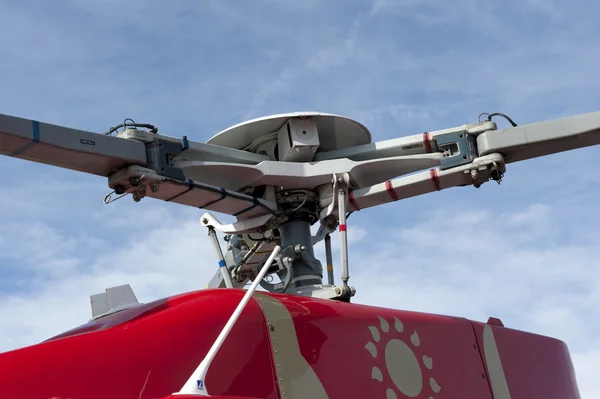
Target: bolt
{"points": [[495, 174], [204, 220], [119, 189]]}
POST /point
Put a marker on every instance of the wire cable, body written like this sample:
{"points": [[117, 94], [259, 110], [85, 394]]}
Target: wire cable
{"points": [[490, 116]]}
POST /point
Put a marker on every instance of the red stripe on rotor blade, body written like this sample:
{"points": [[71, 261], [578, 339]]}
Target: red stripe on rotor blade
{"points": [[342, 227], [390, 189], [427, 142], [435, 179]]}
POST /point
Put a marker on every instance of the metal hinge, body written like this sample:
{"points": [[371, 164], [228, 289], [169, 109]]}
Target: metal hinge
{"points": [[458, 148]]}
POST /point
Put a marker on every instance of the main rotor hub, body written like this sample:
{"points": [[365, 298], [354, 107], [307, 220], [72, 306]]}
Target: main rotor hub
{"points": [[288, 142], [279, 175]]}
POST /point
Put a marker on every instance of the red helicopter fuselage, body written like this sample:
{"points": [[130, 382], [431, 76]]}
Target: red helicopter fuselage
{"points": [[286, 346]]}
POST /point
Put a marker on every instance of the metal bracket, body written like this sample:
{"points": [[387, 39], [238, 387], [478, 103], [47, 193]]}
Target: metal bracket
{"points": [[260, 223], [160, 154], [328, 215], [285, 260], [459, 148], [325, 292], [486, 168]]}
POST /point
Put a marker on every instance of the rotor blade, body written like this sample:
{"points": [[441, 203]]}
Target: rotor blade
{"points": [[410, 145], [142, 182], [68, 148], [475, 173], [542, 138]]}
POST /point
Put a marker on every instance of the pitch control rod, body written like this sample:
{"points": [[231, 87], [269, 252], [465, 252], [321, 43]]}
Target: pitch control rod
{"points": [[222, 264], [343, 183], [329, 258]]}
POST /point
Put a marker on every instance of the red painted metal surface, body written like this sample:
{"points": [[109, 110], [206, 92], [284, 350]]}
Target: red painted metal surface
{"points": [[534, 366], [356, 351], [337, 340], [154, 353]]}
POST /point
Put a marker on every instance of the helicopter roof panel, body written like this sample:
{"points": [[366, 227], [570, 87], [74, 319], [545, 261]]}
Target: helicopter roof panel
{"points": [[335, 131]]}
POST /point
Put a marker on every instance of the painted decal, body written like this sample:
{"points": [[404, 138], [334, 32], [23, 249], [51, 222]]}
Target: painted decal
{"points": [[402, 367], [494, 364], [87, 142]]}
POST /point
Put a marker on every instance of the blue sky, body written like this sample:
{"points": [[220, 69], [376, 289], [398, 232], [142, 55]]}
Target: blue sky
{"points": [[524, 251]]}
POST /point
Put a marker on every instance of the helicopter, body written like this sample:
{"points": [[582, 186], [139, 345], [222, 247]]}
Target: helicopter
{"points": [[301, 336]]}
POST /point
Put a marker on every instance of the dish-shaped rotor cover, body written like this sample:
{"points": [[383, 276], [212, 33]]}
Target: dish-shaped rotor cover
{"points": [[335, 131]]}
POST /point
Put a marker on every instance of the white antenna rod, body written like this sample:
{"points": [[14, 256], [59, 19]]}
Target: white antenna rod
{"points": [[196, 384]]}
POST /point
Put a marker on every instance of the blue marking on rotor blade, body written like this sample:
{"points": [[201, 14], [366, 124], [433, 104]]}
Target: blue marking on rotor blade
{"points": [[222, 263], [209, 203], [190, 188], [254, 205], [35, 140]]}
